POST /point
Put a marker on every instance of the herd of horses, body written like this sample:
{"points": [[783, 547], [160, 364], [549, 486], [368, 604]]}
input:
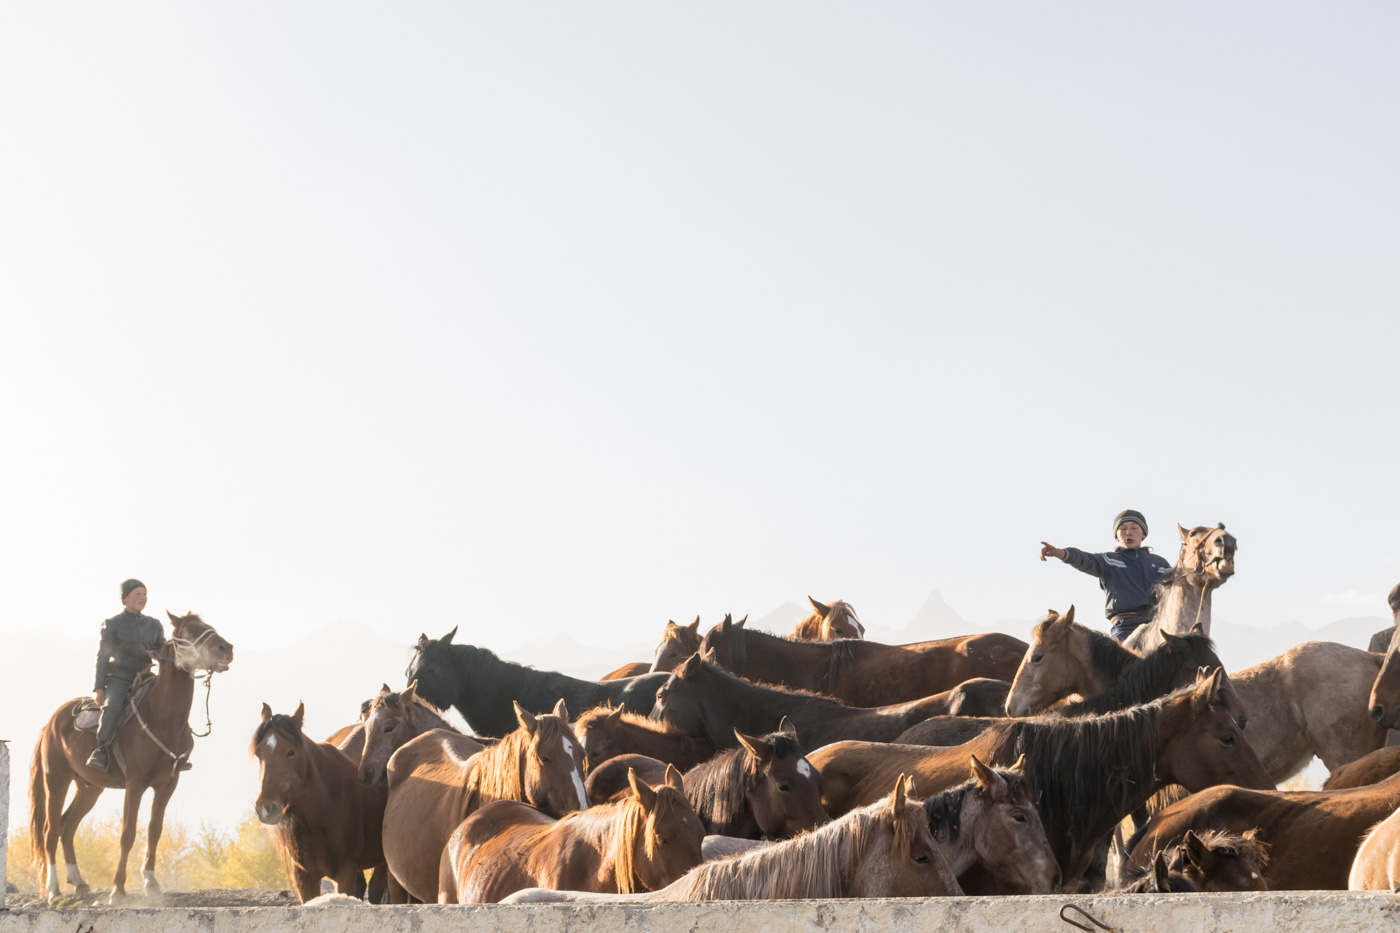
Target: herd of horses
{"points": [[740, 764]]}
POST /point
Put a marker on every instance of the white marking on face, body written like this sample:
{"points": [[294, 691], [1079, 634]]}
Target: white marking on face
{"points": [[803, 768], [574, 773], [271, 742]]}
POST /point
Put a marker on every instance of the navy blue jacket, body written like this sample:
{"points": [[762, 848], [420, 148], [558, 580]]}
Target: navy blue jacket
{"points": [[1127, 577], [126, 637]]}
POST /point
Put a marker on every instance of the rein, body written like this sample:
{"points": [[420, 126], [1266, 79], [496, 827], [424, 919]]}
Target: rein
{"points": [[208, 679]]}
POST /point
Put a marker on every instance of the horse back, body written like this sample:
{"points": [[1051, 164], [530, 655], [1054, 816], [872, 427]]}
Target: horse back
{"points": [[609, 779], [882, 674]]}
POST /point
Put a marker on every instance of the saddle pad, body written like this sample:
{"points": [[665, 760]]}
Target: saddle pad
{"points": [[87, 714]]}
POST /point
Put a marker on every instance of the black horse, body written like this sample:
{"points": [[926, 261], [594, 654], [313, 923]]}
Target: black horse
{"points": [[484, 689]]}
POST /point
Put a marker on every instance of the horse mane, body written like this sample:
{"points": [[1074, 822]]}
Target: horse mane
{"points": [[283, 725], [395, 700], [944, 809], [1141, 678], [809, 628], [500, 770], [718, 789], [1248, 848], [635, 720], [816, 864], [630, 823], [1068, 785]]}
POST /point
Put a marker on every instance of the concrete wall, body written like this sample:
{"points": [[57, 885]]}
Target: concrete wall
{"points": [[4, 814], [1245, 913]]}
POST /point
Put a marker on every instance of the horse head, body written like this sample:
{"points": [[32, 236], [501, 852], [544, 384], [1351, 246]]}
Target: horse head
{"points": [[1202, 742], [433, 668], [1012, 842], [389, 723], [279, 745], [554, 762], [1055, 665], [678, 643], [667, 835], [784, 791], [1209, 552], [1384, 702], [1220, 861], [679, 701], [839, 620], [899, 857], [197, 646]]}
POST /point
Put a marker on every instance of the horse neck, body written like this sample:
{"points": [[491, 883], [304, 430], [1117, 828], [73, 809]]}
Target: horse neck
{"points": [[421, 719], [171, 696], [500, 771], [737, 703], [475, 669], [1186, 602]]}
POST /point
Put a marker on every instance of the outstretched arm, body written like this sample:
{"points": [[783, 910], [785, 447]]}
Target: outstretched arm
{"points": [[1049, 550]]}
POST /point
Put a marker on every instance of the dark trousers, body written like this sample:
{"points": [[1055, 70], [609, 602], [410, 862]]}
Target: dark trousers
{"points": [[1122, 628], [118, 689]]}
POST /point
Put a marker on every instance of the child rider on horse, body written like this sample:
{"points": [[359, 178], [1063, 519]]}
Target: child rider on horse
{"points": [[1126, 574], [130, 641]]}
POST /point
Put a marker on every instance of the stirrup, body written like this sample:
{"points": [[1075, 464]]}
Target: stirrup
{"points": [[100, 759], [185, 765]]}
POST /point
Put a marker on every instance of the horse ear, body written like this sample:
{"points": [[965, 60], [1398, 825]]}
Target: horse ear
{"points": [[897, 796], [671, 626], [740, 623], [174, 619], [266, 712], [561, 710], [758, 748], [673, 778], [988, 779], [725, 623], [821, 610], [410, 692], [694, 626], [1185, 535], [384, 690], [1020, 765], [645, 795], [1195, 848], [300, 715], [423, 639], [1160, 881], [1068, 615], [525, 718], [690, 666], [1197, 629], [447, 639], [788, 729]]}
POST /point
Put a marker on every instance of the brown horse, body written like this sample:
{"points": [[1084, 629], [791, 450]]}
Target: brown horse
{"points": [[1089, 773], [677, 643], [393, 720], [1381, 640], [326, 824], [433, 786], [607, 733], [882, 850], [828, 623], [703, 699], [1384, 701], [640, 843], [1183, 597], [863, 673], [150, 748], [1312, 836], [1207, 861], [1368, 769], [764, 788], [1377, 863], [990, 824]]}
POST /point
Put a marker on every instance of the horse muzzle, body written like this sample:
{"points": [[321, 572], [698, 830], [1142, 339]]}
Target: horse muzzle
{"points": [[270, 813]]}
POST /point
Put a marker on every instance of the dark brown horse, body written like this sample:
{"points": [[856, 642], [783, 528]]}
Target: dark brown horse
{"points": [[863, 673], [147, 756], [764, 788], [437, 780], [607, 733], [704, 700], [1312, 836], [1208, 861], [1385, 691], [640, 843], [326, 824], [828, 623], [883, 850], [1089, 773]]}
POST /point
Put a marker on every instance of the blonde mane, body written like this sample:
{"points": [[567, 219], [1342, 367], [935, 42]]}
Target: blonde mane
{"points": [[631, 823]]}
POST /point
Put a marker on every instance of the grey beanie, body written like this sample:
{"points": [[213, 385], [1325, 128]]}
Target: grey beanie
{"points": [[130, 585], [1129, 515]]}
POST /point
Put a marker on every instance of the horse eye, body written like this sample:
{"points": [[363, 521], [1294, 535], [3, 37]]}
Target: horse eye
{"points": [[661, 842], [921, 859], [291, 753], [1037, 658], [546, 761], [1228, 740], [390, 727], [1019, 817], [784, 788]]}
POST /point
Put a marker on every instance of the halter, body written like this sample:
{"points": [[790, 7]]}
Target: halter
{"points": [[208, 679]]}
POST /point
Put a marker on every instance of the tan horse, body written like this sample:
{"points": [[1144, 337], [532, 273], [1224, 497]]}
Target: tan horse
{"points": [[150, 756], [882, 850], [1368, 769], [608, 732], [828, 623], [641, 843], [392, 720], [438, 779], [1312, 836], [678, 642], [1377, 863], [1183, 600]]}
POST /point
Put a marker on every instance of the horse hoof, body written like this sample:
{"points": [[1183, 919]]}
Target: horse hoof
{"points": [[152, 889], [82, 890], [115, 898]]}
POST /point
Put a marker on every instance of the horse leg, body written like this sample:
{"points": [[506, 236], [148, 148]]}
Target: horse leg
{"points": [[83, 801], [351, 882], [308, 885], [378, 888], [56, 788], [131, 809], [160, 798], [397, 893]]}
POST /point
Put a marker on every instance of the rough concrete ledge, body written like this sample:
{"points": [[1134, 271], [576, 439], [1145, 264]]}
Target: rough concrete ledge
{"points": [[1335, 912]]}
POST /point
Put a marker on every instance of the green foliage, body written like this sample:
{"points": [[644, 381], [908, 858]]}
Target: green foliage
{"points": [[209, 858]]}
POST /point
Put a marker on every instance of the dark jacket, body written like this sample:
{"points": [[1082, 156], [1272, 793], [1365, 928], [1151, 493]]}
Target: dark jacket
{"points": [[126, 637], [1127, 577]]}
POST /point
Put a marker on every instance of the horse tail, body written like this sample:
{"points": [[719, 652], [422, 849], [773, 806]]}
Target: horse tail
{"points": [[38, 812]]}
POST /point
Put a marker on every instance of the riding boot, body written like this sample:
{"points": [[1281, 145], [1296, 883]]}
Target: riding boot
{"points": [[117, 690]]}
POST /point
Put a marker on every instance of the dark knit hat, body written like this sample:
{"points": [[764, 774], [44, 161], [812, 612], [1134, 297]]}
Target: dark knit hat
{"points": [[130, 585], [1129, 515]]}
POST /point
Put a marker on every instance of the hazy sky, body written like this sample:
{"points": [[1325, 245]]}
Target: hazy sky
{"points": [[534, 318]]}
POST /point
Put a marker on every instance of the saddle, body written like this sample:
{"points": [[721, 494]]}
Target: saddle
{"points": [[87, 714]]}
